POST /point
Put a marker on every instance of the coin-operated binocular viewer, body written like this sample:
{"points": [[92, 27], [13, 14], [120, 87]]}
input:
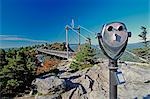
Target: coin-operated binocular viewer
{"points": [[113, 40]]}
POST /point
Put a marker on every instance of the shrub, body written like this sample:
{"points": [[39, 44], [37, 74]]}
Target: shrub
{"points": [[84, 58], [17, 75], [142, 52]]}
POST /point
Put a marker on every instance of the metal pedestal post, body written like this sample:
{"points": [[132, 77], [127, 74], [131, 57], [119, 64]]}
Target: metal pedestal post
{"points": [[112, 80]]}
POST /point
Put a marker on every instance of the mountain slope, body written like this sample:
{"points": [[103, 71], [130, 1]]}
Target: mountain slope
{"points": [[137, 45]]}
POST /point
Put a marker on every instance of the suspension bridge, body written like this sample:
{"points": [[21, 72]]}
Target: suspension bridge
{"points": [[67, 54], [62, 54]]}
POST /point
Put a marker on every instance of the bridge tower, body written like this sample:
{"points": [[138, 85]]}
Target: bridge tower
{"points": [[77, 29], [67, 28]]}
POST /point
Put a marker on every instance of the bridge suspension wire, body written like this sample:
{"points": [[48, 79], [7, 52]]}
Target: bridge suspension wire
{"points": [[91, 32], [92, 35], [73, 37], [77, 32]]}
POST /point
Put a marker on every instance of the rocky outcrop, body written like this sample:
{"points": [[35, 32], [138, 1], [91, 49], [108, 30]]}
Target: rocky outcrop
{"points": [[50, 84], [55, 96], [86, 84], [92, 83], [135, 85]]}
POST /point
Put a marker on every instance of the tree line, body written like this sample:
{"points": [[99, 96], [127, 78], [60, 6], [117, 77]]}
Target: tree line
{"points": [[17, 70]]}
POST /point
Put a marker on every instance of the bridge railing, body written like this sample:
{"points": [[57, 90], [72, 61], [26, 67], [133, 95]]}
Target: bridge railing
{"points": [[56, 53]]}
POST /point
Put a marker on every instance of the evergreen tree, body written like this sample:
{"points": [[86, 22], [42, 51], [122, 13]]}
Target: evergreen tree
{"points": [[2, 58], [84, 58], [12, 53], [143, 35], [86, 54], [17, 75]]}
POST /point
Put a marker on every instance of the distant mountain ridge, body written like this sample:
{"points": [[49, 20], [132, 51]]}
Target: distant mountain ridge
{"points": [[129, 45], [137, 45], [74, 46]]}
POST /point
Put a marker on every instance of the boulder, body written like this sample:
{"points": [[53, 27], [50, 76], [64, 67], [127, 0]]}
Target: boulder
{"points": [[93, 83], [85, 84], [50, 85]]}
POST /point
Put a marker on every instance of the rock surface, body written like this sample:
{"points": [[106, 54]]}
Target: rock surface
{"points": [[136, 78], [50, 84], [88, 83], [92, 83], [55, 96]]}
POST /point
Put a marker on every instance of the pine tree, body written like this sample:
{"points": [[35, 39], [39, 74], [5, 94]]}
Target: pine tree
{"points": [[84, 58], [11, 53], [16, 75], [2, 58], [143, 35]]}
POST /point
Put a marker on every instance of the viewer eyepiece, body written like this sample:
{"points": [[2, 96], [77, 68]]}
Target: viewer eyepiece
{"points": [[110, 28], [120, 28]]}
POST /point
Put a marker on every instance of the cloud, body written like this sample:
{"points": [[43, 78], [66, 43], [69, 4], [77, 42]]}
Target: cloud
{"points": [[16, 38]]}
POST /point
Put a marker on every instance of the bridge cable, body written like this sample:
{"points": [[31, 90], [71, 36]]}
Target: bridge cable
{"points": [[78, 33]]}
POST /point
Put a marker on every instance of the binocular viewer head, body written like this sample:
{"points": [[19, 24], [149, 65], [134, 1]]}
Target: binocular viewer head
{"points": [[113, 39]]}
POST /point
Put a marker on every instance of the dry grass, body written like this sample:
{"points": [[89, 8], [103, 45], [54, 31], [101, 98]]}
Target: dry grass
{"points": [[47, 66]]}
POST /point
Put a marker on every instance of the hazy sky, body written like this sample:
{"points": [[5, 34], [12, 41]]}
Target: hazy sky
{"points": [[34, 21]]}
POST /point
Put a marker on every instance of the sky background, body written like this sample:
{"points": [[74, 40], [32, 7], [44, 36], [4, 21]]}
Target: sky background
{"points": [[28, 22]]}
